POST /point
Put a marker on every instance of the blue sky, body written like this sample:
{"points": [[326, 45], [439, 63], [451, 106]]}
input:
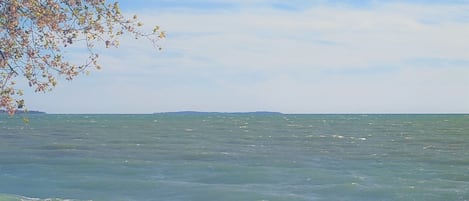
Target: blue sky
{"points": [[287, 56]]}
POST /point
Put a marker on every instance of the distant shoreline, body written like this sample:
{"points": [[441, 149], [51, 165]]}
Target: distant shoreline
{"points": [[24, 112], [197, 112]]}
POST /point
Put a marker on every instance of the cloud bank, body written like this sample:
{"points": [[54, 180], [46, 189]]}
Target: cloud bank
{"points": [[373, 57]]}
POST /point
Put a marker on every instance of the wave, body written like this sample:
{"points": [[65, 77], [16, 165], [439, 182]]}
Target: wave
{"points": [[9, 197]]}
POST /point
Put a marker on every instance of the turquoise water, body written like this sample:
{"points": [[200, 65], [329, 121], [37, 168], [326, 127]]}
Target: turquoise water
{"points": [[235, 157]]}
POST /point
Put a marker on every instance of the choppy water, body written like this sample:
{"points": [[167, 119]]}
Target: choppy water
{"points": [[235, 157]]}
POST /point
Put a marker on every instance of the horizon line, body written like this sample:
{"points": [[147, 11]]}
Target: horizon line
{"points": [[258, 112]]}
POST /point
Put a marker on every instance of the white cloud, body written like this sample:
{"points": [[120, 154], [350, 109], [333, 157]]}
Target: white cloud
{"points": [[318, 36]]}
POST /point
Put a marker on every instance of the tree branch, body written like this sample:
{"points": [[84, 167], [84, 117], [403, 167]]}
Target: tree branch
{"points": [[11, 68]]}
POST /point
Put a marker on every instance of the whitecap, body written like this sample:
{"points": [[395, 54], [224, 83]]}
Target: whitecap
{"points": [[24, 198], [338, 136], [362, 138]]}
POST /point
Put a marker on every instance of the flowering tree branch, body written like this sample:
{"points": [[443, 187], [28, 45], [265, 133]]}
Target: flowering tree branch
{"points": [[35, 33]]}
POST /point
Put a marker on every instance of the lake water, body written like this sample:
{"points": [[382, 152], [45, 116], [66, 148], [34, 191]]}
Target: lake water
{"points": [[235, 157]]}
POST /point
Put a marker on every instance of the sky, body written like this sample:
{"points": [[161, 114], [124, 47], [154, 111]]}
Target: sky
{"points": [[293, 56]]}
